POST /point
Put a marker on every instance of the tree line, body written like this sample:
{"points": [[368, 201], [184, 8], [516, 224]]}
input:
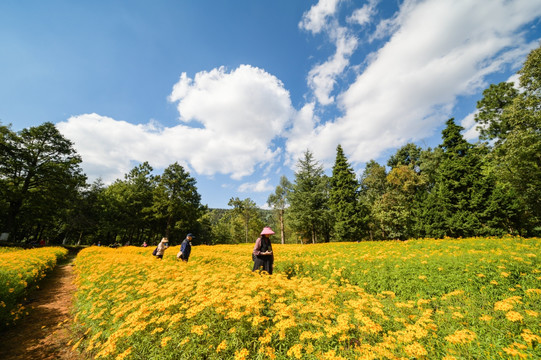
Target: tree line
{"points": [[457, 189]]}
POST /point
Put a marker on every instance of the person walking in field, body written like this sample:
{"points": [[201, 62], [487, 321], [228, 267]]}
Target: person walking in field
{"points": [[185, 248], [262, 255], [162, 246]]}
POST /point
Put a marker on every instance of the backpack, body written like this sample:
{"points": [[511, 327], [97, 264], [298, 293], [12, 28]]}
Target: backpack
{"points": [[155, 251]]}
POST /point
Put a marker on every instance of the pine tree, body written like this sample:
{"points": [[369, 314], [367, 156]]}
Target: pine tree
{"points": [[308, 211], [344, 202], [455, 204]]}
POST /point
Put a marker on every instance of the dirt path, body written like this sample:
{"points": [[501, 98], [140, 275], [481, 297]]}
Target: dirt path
{"points": [[45, 332]]}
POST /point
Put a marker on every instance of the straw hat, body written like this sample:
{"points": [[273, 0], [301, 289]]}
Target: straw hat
{"points": [[267, 231]]}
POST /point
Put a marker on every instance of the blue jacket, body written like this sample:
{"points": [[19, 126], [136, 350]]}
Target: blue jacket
{"points": [[186, 249]]}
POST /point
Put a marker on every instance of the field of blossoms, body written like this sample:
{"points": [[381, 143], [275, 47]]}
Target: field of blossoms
{"points": [[20, 271], [475, 298]]}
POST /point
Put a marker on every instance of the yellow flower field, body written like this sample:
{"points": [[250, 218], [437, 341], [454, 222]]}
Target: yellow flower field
{"points": [[20, 270], [454, 299]]}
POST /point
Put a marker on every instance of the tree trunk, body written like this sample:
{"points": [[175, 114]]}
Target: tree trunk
{"points": [[282, 230], [246, 225], [168, 227], [11, 224]]}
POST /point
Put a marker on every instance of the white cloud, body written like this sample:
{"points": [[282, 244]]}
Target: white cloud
{"points": [[299, 136], [363, 15], [316, 18], [322, 78], [469, 124], [110, 148], [260, 186], [438, 50], [229, 122]]}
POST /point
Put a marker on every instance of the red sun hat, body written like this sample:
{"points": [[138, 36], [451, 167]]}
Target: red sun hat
{"points": [[267, 231]]}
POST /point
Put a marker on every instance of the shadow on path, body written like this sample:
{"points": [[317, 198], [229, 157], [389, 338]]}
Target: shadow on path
{"points": [[44, 333]]}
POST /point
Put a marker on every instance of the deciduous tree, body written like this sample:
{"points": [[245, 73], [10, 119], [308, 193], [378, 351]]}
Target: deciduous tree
{"points": [[278, 201]]}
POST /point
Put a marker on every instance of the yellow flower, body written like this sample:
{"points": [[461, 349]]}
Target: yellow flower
{"points": [[415, 350], [532, 313], [529, 337], [514, 316], [485, 318], [157, 330], [457, 315], [461, 337], [124, 354], [221, 346], [504, 274], [241, 354], [165, 340], [513, 352], [267, 336], [199, 329], [268, 352], [533, 292], [502, 306], [295, 350], [76, 345]]}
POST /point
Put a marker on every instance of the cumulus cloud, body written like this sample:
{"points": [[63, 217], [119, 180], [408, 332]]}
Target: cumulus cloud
{"points": [[470, 126], [315, 19], [437, 50], [259, 186], [363, 15], [228, 123], [322, 77]]}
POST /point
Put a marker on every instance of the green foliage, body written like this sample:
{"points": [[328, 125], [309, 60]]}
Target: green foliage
{"points": [[512, 120], [343, 199], [20, 272], [278, 201], [373, 187], [39, 177], [176, 201], [409, 154], [308, 213], [246, 216]]}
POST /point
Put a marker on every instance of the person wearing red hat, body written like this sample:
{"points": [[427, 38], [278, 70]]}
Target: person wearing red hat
{"points": [[262, 255]]}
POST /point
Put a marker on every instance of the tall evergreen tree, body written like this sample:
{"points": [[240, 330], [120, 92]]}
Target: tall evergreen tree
{"points": [[512, 120], [409, 154], [308, 211], [344, 203], [455, 204]]}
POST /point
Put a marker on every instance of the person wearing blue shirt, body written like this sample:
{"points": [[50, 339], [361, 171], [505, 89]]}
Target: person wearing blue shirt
{"points": [[186, 248]]}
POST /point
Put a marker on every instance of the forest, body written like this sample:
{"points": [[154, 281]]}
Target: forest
{"points": [[457, 189]]}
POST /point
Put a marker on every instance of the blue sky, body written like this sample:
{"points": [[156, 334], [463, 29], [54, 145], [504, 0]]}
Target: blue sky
{"points": [[236, 91]]}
